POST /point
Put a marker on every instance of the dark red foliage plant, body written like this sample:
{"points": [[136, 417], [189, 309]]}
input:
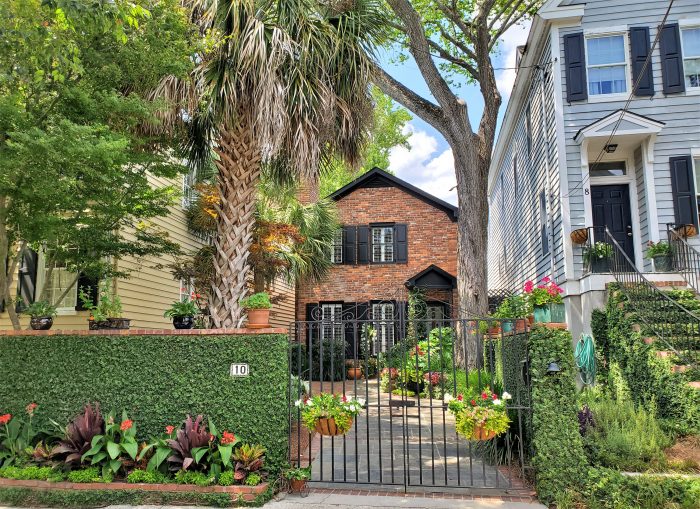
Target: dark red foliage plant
{"points": [[79, 435], [189, 445]]}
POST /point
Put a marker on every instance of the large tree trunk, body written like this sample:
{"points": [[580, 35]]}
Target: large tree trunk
{"points": [[237, 182], [8, 265]]}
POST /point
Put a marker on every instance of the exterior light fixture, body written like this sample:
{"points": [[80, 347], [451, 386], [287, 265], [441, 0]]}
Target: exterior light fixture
{"points": [[610, 148], [553, 368]]}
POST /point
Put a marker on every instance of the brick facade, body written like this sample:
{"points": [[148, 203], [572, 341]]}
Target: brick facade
{"points": [[431, 240]]}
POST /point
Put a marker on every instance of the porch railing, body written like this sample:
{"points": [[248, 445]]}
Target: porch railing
{"points": [[677, 328], [686, 260]]}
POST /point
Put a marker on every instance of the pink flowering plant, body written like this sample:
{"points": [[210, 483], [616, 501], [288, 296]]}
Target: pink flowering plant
{"points": [[546, 292], [485, 414], [340, 408]]}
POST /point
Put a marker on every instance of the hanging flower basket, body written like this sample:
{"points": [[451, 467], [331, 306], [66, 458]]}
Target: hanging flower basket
{"points": [[579, 236], [480, 418], [480, 433], [329, 414]]}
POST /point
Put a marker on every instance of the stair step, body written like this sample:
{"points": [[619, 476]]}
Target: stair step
{"points": [[664, 354], [649, 340], [636, 327], [681, 368], [694, 385]]}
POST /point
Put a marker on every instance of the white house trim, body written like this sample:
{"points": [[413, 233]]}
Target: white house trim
{"points": [[650, 185], [597, 129]]}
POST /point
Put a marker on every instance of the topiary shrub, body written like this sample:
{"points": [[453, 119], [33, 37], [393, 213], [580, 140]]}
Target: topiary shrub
{"points": [[559, 459]]}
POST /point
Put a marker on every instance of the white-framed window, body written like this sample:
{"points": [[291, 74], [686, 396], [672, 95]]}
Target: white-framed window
{"points": [[606, 64], [337, 248], [188, 190], [382, 244], [331, 321], [186, 291], [56, 282], [690, 44], [383, 316]]}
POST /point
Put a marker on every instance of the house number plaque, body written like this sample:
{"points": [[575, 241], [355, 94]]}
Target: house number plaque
{"points": [[239, 370]]}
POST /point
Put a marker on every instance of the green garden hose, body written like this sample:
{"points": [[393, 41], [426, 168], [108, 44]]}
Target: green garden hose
{"points": [[585, 359]]}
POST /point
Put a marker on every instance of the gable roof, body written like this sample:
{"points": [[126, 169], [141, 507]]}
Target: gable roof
{"points": [[433, 277], [629, 123], [376, 177]]}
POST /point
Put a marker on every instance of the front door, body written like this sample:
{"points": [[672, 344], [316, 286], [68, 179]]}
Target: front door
{"points": [[611, 209]]}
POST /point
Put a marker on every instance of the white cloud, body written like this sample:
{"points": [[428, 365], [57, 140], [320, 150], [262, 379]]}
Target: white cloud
{"points": [[508, 46], [424, 167]]}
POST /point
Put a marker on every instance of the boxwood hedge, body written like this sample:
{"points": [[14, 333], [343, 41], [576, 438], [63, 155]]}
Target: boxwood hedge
{"points": [[158, 380]]}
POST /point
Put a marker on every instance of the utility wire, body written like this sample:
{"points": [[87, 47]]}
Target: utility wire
{"points": [[627, 104]]}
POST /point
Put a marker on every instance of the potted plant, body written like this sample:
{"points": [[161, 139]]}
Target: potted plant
{"points": [[514, 310], [41, 315], [182, 314], [662, 255], [482, 418], [107, 312], [329, 414], [353, 369], [258, 307], [298, 478], [546, 301], [597, 257]]}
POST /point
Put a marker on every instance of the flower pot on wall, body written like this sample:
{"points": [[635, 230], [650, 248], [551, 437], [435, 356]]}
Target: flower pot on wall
{"points": [[600, 265], [663, 263], [507, 326], [119, 323], [98, 324], [258, 318], [41, 322], [183, 322], [550, 313]]}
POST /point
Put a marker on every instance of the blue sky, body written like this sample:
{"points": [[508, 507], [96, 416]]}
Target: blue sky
{"points": [[428, 163]]}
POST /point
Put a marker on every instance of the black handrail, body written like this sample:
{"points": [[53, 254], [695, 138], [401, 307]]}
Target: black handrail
{"points": [[686, 260], [676, 327]]}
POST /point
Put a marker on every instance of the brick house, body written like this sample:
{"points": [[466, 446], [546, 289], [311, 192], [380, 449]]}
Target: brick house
{"points": [[394, 237]]}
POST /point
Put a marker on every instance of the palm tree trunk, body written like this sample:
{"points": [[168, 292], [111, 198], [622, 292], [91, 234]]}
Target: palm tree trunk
{"points": [[238, 176]]}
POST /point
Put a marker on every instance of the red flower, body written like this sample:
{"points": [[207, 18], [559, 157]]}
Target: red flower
{"points": [[344, 399], [546, 279], [228, 438], [125, 425], [169, 429], [4, 419], [30, 408], [460, 398], [495, 397], [473, 402], [529, 285], [484, 395]]}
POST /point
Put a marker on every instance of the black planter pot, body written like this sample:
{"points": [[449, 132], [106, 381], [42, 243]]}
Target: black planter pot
{"points": [[600, 265], [183, 322], [416, 387], [119, 323], [41, 322]]}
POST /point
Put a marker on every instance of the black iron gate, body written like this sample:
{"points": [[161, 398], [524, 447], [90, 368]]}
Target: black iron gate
{"points": [[405, 371]]}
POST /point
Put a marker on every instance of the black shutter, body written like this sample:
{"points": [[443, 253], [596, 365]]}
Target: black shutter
{"points": [[2, 297], [349, 245], [401, 243], [89, 285], [671, 59], [27, 279], [353, 330], [363, 245], [683, 187], [574, 54], [639, 49], [362, 311], [313, 319]]}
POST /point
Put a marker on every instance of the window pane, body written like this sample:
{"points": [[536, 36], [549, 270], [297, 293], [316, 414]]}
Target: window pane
{"points": [[606, 50], [607, 80], [59, 281], [691, 42], [608, 169], [691, 67]]}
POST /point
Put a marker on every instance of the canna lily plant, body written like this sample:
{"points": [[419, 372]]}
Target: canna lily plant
{"points": [[108, 449], [481, 418]]}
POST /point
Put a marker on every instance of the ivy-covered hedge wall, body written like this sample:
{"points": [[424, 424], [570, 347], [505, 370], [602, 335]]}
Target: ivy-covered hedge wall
{"points": [[645, 377], [158, 380], [559, 459]]}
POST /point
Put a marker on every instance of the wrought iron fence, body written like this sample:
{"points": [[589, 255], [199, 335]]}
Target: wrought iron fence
{"points": [[676, 327], [405, 435], [686, 260]]}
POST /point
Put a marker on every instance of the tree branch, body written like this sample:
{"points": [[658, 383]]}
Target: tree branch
{"points": [[510, 21]]}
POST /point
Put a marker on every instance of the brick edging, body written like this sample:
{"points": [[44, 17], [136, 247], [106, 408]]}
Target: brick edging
{"points": [[145, 332], [247, 493]]}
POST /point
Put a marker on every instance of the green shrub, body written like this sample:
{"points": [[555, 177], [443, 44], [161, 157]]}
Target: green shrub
{"points": [[90, 474], [31, 473], [559, 459], [144, 476], [226, 478], [253, 479], [196, 478], [176, 375], [328, 354], [259, 300], [624, 437]]}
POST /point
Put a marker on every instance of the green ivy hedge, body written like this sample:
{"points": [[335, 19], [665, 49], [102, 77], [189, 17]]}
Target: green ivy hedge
{"points": [[559, 459], [158, 380], [646, 378]]}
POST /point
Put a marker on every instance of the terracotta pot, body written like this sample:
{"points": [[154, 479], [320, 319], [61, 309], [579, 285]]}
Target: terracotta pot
{"points": [[297, 485], [495, 330], [327, 427], [354, 373], [41, 322], [520, 325], [258, 318], [481, 434], [531, 319]]}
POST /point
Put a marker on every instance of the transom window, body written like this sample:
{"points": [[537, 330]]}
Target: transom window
{"points": [[607, 65], [383, 316], [331, 321], [608, 169], [382, 244], [691, 56], [337, 249]]}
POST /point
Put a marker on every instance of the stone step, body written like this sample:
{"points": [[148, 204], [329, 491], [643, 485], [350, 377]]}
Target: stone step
{"points": [[664, 354], [681, 368], [694, 385], [649, 340]]}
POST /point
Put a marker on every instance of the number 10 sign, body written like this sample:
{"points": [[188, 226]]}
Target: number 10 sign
{"points": [[239, 370]]}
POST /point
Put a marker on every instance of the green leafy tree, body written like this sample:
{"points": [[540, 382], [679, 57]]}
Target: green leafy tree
{"points": [[387, 132], [78, 136], [451, 39]]}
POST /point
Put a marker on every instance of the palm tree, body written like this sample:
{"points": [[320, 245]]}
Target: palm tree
{"points": [[287, 84]]}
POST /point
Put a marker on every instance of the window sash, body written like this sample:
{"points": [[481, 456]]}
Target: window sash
{"points": [[61, 277], [382, 244], [604, 65], [336, 254], [331, 321], [383, 315]]}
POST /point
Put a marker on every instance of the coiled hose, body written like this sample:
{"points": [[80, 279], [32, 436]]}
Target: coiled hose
{"points": [[585, 359]]}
